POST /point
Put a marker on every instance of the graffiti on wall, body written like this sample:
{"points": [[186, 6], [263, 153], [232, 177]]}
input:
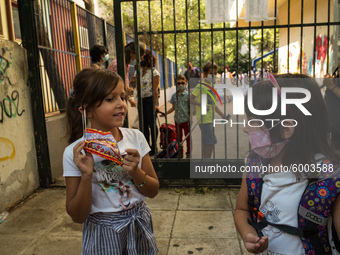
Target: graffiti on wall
{"points": [[4, 66], [313, 58], [9, 106], [8, 153]]}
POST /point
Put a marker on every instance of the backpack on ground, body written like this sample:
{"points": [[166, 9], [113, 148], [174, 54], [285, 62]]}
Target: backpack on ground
{"points": [[172, 135], [173, 149]]}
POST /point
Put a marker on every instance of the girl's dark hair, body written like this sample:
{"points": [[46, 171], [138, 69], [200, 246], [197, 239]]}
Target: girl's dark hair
{"points": [[209, 65], [96, 52], [312, 132], [90, 87], [147, 58], [130, 47]]}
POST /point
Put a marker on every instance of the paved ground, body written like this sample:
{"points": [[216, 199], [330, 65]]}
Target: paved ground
{"points": [[186, 221]]}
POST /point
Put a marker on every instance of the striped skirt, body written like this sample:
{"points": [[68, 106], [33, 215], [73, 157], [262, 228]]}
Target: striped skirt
{"points": [[127, 232]]}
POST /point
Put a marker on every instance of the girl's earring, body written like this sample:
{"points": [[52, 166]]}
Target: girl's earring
{"points": [[83, 117]]}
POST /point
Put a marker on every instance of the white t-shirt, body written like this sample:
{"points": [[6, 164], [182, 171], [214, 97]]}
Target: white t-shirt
{"points": [[113, 189], [147, 82], [280, 199], [227, 78]]}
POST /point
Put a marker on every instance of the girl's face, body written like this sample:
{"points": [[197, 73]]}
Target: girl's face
{"points": [[181, 82], [111, 113], [181, 85]]}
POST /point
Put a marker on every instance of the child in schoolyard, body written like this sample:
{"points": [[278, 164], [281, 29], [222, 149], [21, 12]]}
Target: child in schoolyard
{"points": [[130, 59], [99, 55], [228, 79], [106, 190], [292, 207], [182, 112], [206, 121]]}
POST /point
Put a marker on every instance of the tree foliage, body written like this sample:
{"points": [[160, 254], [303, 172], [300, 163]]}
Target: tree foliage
{"points": [[268, 45], [180, 16]]}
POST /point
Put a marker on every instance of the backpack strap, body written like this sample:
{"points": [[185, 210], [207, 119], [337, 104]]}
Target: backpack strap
{"points": [[284, 228], [196, 72], [312, 233], [313, 223], [254, 185], [313, 217]]}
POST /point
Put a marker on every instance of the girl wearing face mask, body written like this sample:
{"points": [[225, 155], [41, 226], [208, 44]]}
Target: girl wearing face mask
{"points": [[99, 55], [281, 210]]}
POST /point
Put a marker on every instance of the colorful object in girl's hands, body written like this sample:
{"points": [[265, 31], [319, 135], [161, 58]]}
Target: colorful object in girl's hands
{"points": [[103, 145]]}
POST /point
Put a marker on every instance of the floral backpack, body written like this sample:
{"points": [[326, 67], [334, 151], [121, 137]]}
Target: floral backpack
{"points": [[314, 210]]}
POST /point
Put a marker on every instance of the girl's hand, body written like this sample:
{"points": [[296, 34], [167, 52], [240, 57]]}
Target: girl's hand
{"points": [[85, 163], [133, 81], [132, 103], [129, 91], [131, 160], [254, 244]]}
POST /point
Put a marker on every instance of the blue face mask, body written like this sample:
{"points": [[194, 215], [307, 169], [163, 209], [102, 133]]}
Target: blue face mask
{"points": [[106, 58], [181, 87]]}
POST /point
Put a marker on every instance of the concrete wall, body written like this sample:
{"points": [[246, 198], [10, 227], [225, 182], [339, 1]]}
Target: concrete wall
{"points": [[18, 162], [57, 142]]}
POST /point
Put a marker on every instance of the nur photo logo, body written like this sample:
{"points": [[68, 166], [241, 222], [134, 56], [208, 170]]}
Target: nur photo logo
{"points": [[239, 100]]}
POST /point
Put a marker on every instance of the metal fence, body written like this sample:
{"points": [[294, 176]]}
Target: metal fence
{"points": [[298, 37], [57, 56], [56, 44], [302, 37], [58, 65]]}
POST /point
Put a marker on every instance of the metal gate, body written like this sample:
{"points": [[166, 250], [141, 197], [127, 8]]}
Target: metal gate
{"points": [[57, 35], [297, 36]]}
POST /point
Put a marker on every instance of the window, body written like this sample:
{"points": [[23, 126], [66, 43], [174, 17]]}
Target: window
{"points": [[16, 22]]}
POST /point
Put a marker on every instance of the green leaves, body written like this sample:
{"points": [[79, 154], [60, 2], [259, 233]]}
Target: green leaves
{"points": [[180, 15]]}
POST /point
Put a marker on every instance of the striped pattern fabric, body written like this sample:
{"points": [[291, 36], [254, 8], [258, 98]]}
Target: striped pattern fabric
{"points": [[127, 232]]}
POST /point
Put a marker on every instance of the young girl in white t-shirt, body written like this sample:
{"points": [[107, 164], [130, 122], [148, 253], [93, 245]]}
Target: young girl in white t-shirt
{"points": [[281, 210], [109, 173]]}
